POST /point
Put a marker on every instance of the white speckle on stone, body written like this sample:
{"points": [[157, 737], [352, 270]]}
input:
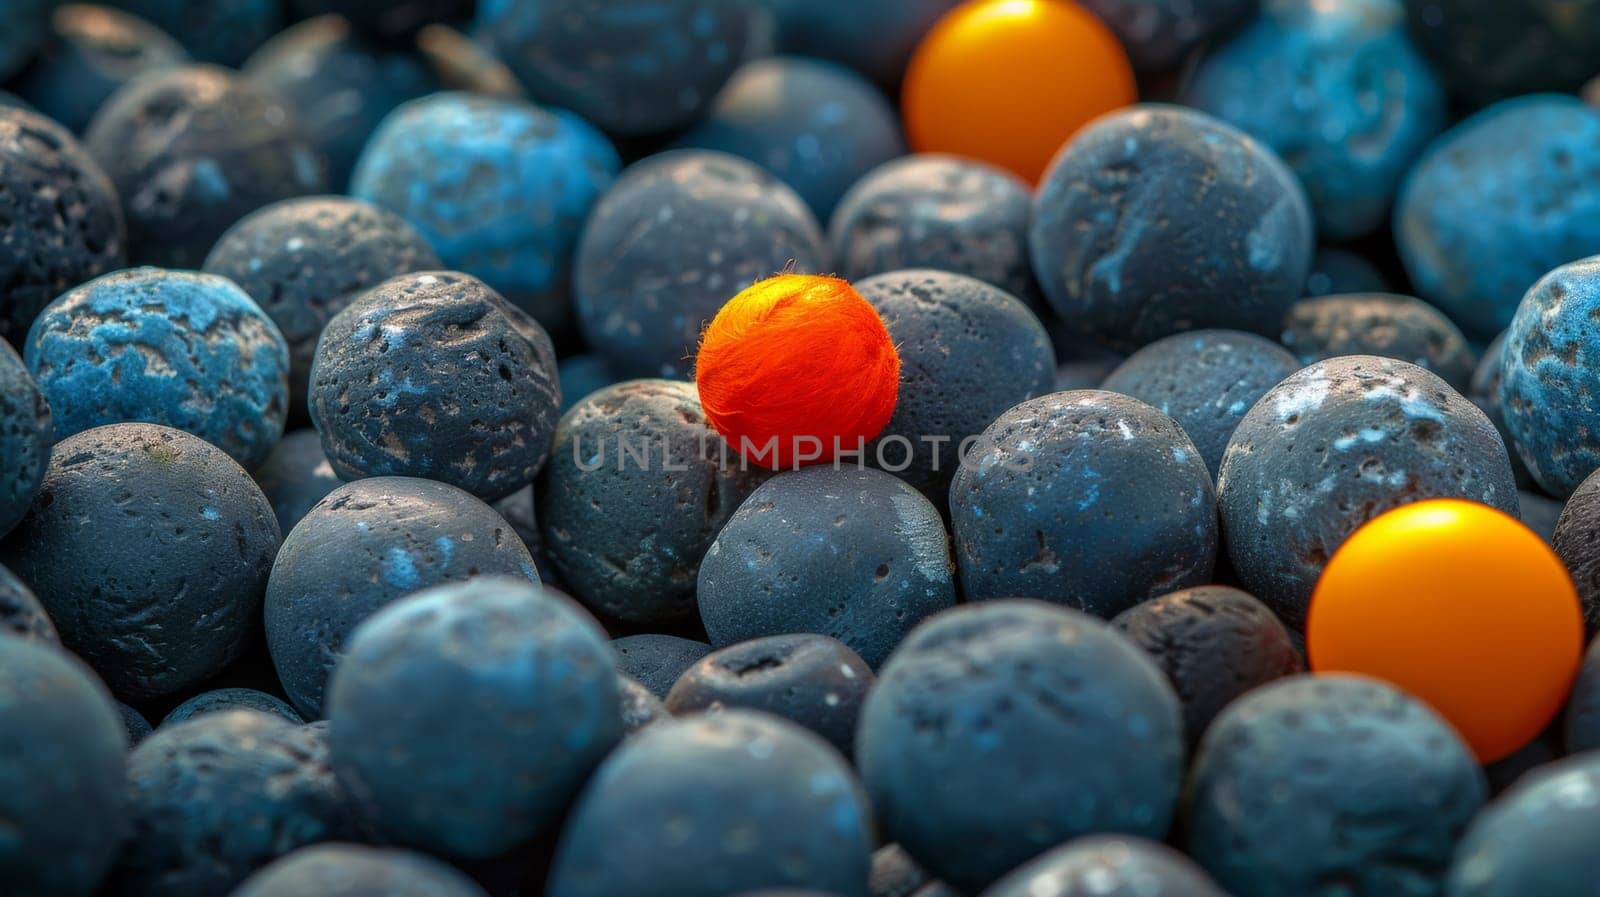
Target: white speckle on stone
{"points": [[1125, 430], [1305, 395], [927, 543]]}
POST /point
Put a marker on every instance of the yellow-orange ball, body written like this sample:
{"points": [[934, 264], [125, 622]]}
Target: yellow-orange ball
{"points": [[1460, 605], [1009, 81], [796, 369]]}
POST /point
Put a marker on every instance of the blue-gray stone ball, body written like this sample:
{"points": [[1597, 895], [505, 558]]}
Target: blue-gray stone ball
{"points": [[21, 614], [1484, 391], [219, 31], [1335, 445], [150, 549], [1205, 380], [1577, 543], [355, 870], [363, 546], [27, 431], [92, 52], [295, 477], [638, 706], [1384, 324], [138, 728], [1488, 49], [1581, 725], [581, 376], [1537, 838], [1335, 271], [22, 31], [657, 659], [505, 698], [1156, 220], [221, 699], [1089, 499], [1108, 866], [961, 743], [852, 553], [875, 39], [717, 805], [674, 238], [63, 785]]}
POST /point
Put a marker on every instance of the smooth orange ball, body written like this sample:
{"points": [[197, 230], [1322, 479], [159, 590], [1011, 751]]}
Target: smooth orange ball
{"points": [[797, 369], [1009, 81], [1460, 605]]}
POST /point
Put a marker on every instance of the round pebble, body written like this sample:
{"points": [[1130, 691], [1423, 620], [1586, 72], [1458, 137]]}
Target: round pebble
{"points": [[505, 698], [1108, 866], [219, 31], [91, 53], [639, 707], [1384, 324], [191, 150], [1089, 499], [138, 728], [1130, 247], [223, 699], [500, 188], [22, 30], [1205, 381], [179, 348], [1335, 445], [637, 487], [1484, 391], [717, 805], [875, 39], [1338, 271], [811, 680], [21, 614], [1577, 542], [27, 431], [1540, 513], [1537, 838], [675, 237], [1581, 726], [363, 546], [657, 660], [1159, 35], [582, 376], [295, 477], [851, 553], [353, 870], [1329, 778], [1488, 49], [985, 700], [150, 550]]}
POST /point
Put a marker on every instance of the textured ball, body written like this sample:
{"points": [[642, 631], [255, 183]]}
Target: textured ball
{"points": [[811, 680], [435, 375], [1089, 499], [137, 727], [657, 660], [1536, 839], [340, 85], [968, 352], [582, 376], [1340, 91], [1108, 866], [150, 549], [1496, 202], [1284, 770], [638, 69], [179, 348], [636, 489], [1484, 391], [1487, 49], [1546, 382], [675, 237], [1581, 723], [91, 53], [224, 699], [22, 30], [193, 149], [218, 797], [985, 700], [500, 188], [850, 553], [1577, 542], [1160, 34], [62, 787], [818, 126], [1158, 220], [797, 369], [1383, 324], [295, 477], [1205, 381], [352, 870], [505, 698], [363, 546], [1335, 445], [1540, 513], [219, 31], [638, 706], [875, 39], [1338, 271], [60, 221], [21, 614], [27, 431], [1215, 643], [717, 805], [935, 211]]}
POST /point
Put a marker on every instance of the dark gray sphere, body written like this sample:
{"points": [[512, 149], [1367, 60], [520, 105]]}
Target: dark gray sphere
{"points": [[851, 553], [93, 51], [221, 699], [1205, 380], [138, 728], [27, 430], [1540, 513], [657, 660], [1089, 499], [1577, 543], [637, 487], [363, 546], [1383, 324], [435, 375], [639, 706], [1537, 838], [353, 870], [1582, 725], [21, 614], [296, 476], [150, 549], [1108, 866], [1160, 34], [1338, 271], [1484, 391]]}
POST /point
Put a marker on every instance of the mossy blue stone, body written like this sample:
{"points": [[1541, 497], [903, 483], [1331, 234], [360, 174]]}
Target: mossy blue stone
{"points": [[1498, 201], [21, 614], [1339, 91], [647, 67], [1581, 723], [657, 659], [853, 553], [354, 870], [150, 550], [1385, 324], [1157, 220], [62, 785], [500, 188], [1335, 271], [1334, 445], [218, 797], [1330, 778], [363, 546], [92, 52], [23, 27], [1205, 380], [1108, 866], [674, 238], [1089, 499], [1547, 381], [296, 476], [221, 699], [1537, 838], [179, 348], [218, 31], [818, 126], [985, 701], [27, 431], [875, 39], [1159, 35], [717, 805], [505, 697]]}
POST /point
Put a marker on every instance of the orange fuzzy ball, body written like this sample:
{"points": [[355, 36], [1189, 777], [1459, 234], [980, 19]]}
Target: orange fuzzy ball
{"points": [[795, 369]]}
